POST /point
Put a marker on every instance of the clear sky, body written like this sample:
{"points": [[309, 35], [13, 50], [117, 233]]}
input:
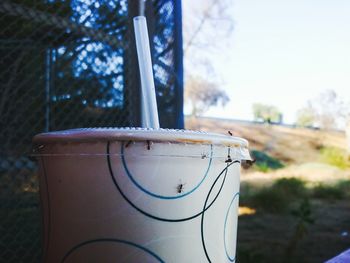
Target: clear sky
{"points": [[283, 52]]}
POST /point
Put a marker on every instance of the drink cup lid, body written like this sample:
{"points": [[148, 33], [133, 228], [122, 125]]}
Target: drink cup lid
{"points": [[139, 134], [209, 145]]}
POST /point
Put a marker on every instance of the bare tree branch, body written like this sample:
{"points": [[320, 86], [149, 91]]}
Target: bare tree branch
{"points": [[205, 17]]}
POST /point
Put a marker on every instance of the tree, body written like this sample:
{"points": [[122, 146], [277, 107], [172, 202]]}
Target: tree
{"points": [[207, 27], [203, 94], [329, 108], [306, 117], [207, 17], [266, 113], [326, 111]]}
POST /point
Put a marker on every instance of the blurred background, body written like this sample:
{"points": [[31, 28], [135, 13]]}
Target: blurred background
{"points": [[274, 72], [278, 74]]}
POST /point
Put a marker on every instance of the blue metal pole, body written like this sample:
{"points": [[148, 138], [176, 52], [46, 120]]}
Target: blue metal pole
{"points": [[178, 66], [48, 82]]}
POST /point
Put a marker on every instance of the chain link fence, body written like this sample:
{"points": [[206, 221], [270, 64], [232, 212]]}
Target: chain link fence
{"points": [[69, 64]]}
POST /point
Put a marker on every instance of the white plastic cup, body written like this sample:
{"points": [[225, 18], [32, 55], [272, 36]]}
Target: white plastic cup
{"points": [[139, 195]]}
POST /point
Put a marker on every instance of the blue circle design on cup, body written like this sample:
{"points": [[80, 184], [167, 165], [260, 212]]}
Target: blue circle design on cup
{"points": [[231, 258], [173, 220], [129, 174]]}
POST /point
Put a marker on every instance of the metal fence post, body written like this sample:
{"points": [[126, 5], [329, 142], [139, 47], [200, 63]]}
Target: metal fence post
{"points": [[178, 64]]}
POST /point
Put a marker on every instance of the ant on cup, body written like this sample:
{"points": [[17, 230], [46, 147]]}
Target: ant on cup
{"points": [[204, 155], [180, 187]]}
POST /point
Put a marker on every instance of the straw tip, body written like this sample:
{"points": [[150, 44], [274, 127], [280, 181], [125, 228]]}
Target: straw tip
{"points": [[139, 18]]}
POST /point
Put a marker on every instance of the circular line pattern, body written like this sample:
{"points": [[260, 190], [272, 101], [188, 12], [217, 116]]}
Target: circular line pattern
{"points": [[157, 195], [161, 218], [202, 218], [111, 240], [232, 259]]}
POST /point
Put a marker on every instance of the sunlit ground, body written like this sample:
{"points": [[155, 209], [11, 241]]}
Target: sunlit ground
{"points": [[245, 210]]}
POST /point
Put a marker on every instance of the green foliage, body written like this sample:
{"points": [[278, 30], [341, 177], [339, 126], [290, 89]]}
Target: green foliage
{"points": [[335, 156], [271, 200], [249, 256], [264, 162], [262, 167], [304, 212], [292, 202], [293, 187], [304, 217], [344, 187], [328, 192], [278, 197], [247, 190], [266, 113], [285, 193]]}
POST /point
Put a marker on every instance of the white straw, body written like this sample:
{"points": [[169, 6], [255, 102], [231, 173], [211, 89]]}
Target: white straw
{"points": [[149, 103]]}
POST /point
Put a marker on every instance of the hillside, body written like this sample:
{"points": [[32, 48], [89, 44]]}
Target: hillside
{"points": [[299, 149]]}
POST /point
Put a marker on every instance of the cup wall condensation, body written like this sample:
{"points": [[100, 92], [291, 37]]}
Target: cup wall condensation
{"points": [[139, 195]]}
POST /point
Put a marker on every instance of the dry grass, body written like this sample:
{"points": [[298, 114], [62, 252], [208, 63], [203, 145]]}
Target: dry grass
{"points": [[298, 148], [292, 145]]}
